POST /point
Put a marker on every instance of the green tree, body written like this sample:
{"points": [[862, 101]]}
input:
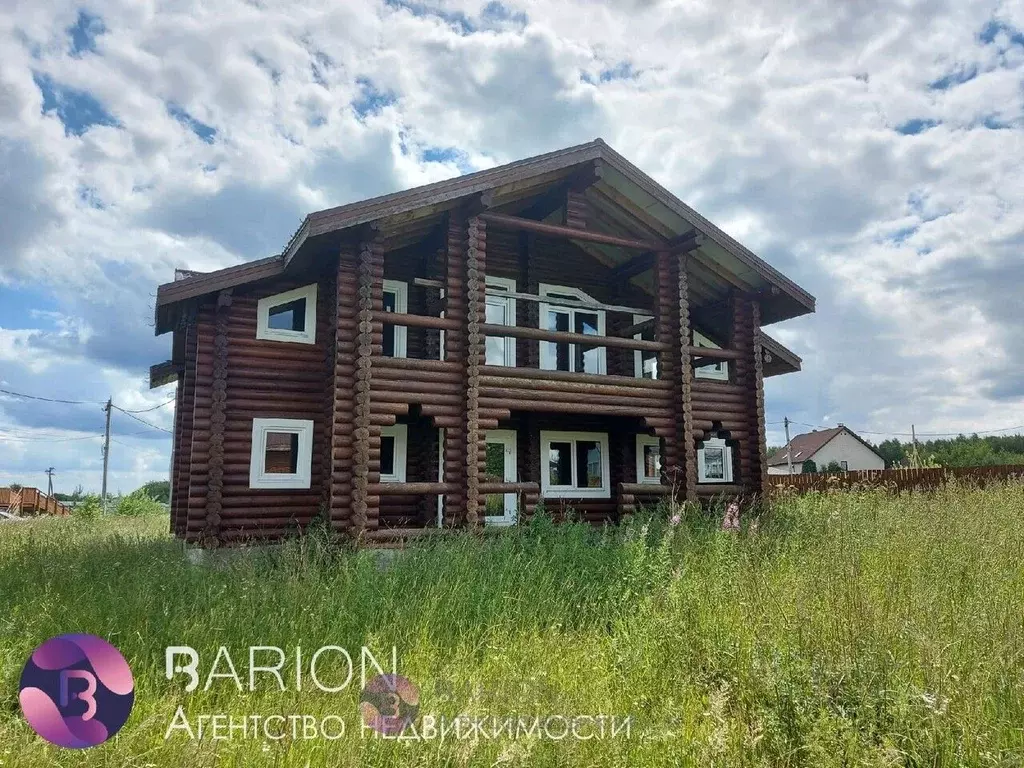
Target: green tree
{"points": [[809, 467], [158, 490]]}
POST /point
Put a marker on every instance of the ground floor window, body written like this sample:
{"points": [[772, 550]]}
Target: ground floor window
{"points": [[714, 462], [500, 445], [394, 443], [282, 453], [575, 464], [648, 459]]}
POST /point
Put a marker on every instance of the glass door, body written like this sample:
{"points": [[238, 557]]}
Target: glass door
{"points": [[500, 508]]}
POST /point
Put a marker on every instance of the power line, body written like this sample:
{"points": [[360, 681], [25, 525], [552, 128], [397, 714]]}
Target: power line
{"points": [[911, 434], [146, 410], [7, 439], [142, 421], [49, 399]]}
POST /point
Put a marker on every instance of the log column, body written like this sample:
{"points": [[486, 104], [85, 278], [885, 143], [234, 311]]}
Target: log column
{"points": [[666, 331], [366, 459], [745, 376], [343, 365], [760, 451], [218, 401], [476, 449], [455, 352], [685, 378]]}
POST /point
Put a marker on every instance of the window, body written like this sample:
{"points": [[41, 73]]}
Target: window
{"points": [[845, 465], [648, 459], [645, 364], [395, 299], [500, 508], [719, 370], [501, 310], [288, 316], [557, 356], [282, 452], [575, 464], [393, 444], [714, 462]]}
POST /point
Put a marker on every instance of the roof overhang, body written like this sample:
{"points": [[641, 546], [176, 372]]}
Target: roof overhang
{"points": [[627, 202]]}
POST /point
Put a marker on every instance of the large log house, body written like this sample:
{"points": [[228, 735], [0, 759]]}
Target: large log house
{"points": [[560, 330]]}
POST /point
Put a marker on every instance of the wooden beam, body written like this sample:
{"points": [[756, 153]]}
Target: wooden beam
{"points": [[564, 337], [635, 266], [640, 327], [424, 282], [555, 230]]}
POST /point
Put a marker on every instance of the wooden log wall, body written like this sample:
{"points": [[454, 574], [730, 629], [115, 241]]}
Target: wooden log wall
{"points": [[195, 499], [183, 417]]}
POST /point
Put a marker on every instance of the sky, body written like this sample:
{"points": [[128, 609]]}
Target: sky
{"points": [[871, 151]]}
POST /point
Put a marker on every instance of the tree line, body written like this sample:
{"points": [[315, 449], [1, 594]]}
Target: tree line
{"points": [[960, 451]]}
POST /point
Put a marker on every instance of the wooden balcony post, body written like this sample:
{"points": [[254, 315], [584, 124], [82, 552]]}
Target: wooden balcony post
{"points": [[366, 468], [758, 428], [454, 453], [341, 404], [685, 378], [666, 330], [476, 456]]}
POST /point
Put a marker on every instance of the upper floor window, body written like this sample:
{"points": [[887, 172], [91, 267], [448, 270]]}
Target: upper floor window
{"points": [[645, 364], [395, 299], [501, 310], [714, 462], [288, 316], [719, 370], [559, 314]]}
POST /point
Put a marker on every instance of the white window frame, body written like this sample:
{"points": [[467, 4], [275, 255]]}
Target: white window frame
{"points": [[638, 355], [507, 439], [400, 432], [572, 492], [718, 371], [258, 475], [641, 441], [264, 305], [401, 291], [504, 284], [548, 358], [845, 465], [714, 442]]}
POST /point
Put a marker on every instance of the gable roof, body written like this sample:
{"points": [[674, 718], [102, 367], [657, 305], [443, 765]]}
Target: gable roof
{"points": [[638, 201], [805, 446]]}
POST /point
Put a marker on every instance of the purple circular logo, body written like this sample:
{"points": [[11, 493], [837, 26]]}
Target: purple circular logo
{"points": [[389, 703], [76, 691]]}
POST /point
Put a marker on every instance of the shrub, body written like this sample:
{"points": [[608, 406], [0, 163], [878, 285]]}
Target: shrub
{"points": [[138, 503], [89, 508]]}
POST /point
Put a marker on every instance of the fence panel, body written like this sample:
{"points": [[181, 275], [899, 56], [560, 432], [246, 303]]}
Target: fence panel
{"points": [[899, 479]]}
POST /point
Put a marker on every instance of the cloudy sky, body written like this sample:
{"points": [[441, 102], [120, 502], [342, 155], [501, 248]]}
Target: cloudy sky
{"points": [[870, 150]]}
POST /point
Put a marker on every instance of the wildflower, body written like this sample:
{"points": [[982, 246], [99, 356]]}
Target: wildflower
{"points": [[675, 519], [752, 530], [731, 521]]}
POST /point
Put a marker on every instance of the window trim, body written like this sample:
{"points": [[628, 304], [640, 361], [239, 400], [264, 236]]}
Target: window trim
{"points": [[641, 441], [258, 476], [546, 361], [715, 371], [715, 442], [503, 284], [401, 291], [264, 305], [572, 492], [400, 432]]}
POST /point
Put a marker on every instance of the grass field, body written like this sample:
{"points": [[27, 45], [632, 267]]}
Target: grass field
{"points": [[854, 628]]}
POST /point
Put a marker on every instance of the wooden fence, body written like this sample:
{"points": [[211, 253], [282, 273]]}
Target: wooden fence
{"points": [[32, 502], [897, 479]]}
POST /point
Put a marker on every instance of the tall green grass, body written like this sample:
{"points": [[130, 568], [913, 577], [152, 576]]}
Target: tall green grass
{"points": [[855, 628]]}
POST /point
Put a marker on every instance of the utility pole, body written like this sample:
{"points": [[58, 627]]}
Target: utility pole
{"points": [[106, 453], [789, 451], [913, 438], [49, 474]]}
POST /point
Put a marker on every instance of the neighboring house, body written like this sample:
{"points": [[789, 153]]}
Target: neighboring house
{"points": [[560, 329], [840, 444]]}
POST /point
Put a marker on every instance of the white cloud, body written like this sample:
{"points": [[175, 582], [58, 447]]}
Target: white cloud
{"points": [[228, 120]]}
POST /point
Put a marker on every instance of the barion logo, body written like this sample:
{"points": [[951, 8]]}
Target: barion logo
{"points": [[76, 691]]}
